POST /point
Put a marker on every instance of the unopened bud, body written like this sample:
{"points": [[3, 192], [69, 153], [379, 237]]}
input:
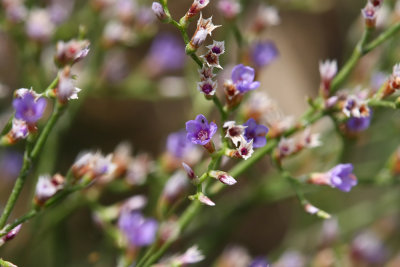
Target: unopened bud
{"points": [[159, 11], [223, 177]]}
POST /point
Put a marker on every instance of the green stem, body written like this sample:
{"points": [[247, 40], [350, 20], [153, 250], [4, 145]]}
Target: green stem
{"points": [[382, 37], [29, 158]]}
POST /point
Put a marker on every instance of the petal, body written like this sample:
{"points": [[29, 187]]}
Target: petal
{"points": [[213, 129], [193, 127], [259, 142], [254, 85], [237, 72]]}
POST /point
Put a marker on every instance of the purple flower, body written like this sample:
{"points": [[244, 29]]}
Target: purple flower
{"points": [[178, 144], [166, 53], [255, 131], [342, 177], [368, 247], [259, 262], [28, 108], [263, 53], [243, 78], [360, 124], [138, 230], [199, 131], [11, 163]]}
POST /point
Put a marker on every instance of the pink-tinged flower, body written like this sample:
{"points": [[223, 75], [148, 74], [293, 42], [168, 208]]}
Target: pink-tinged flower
{"points": [[229, 8], [189, 171], [28, 107], [39, 26], [93, 165], [66, 89], [199, 131], [264, 53], [205, 200], [204, 28], [223, 177], [47, 187], [138, 230], [138, 169], [117, 32], [243, 78], [255, 132], [310, 140], [10, 235], [195, 8], [286, 147], [134, 203], [291, 258], [175, 186], [370, 12], [207, 87], [234, 132], [15, 10], [316, 211], [265, 17], [159, 11], [125, 10], [191, 256], [234, 256], [19, 130], [327, 71], [71, 52]]}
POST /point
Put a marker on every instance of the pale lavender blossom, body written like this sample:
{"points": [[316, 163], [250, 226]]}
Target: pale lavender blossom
{"points": [[229, 8], [45, 188], [60, 10], [178, 145], [243, 78], [255, 132], [159, 11], [175, 186], [19, 130], [370, 13], [28, 108], [259, 262], [223, 177], [199, 131], [342, 177], [264, 53], [138, 230], [167, 53], [66, 89], [367, 246], [10, 163], [39, 26]]}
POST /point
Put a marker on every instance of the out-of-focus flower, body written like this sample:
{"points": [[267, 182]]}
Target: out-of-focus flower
{"points": [[10, 235], [66, 89], [255, 132], [167, 53], [125, 10], [175, 186], [286, 147], [354, 106], [159, 11], [243, 78], [327, 71], [47, 187], [117, 32], [71, 52], [15, 10], [223, 177], [329, 232], [10, 164], [370, 12], [234, 256], [199, 131], [206, 200], [341, 176], [265, 17], [192, 255], [229, 8], [291, 258], [138, 169], [259, 262], [368, 247], [263, 53], [138, 230], [60, 10], [310, 140], [29, 108], [93, 165], [189, 171], [178, 144], [19, 130], [360, 124], [39, 26]]}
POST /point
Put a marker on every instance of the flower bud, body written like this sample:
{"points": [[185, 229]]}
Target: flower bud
{"points": [[223, 177], [370, 12], [159, 11]]}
